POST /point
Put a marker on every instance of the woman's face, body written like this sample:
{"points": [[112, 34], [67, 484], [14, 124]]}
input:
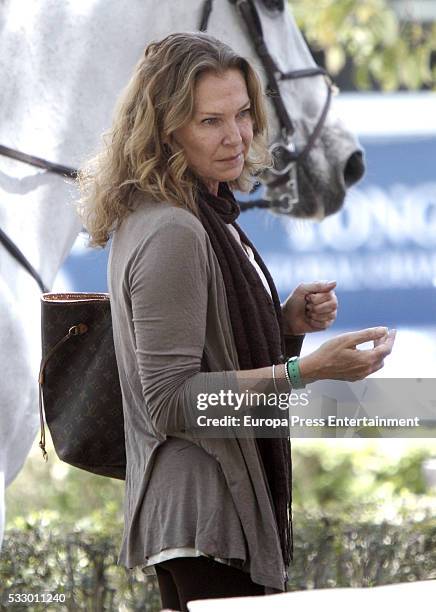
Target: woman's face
{"points": [[218, 137]]}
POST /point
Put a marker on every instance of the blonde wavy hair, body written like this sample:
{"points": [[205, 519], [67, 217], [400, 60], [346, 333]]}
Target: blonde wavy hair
{"points": [[158, 100]]}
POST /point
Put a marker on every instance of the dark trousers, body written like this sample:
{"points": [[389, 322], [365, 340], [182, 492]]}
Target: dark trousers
{"points": [[186, 578]]}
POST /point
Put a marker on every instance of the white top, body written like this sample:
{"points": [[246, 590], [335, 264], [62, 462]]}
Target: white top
{"points": [[249, 252], [171, 553]]}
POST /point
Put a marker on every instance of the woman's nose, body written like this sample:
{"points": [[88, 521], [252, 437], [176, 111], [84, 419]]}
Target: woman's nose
{"points": [[232, 135]]}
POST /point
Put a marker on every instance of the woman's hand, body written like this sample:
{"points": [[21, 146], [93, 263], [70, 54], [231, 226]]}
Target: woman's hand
{"points": [[310, 307], [340, 359]]}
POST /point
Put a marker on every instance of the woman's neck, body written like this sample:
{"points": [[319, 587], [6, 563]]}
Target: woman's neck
{"points": [[212, 186]]}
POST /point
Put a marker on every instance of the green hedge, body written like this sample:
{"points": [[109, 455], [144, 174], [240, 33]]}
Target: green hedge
{"points": [[362, 516], [43, 557]]}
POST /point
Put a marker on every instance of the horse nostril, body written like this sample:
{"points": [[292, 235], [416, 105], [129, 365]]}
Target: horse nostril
{"points": [[354, 168]]}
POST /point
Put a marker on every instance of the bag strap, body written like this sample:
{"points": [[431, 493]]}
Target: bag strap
{"points": [[75, 330]]}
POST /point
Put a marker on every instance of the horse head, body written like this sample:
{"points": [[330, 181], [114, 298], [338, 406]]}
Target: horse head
{"points": [[316, 158]]}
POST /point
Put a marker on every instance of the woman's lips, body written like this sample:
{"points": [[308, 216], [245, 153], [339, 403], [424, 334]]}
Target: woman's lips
{"points": [[233, 160]]}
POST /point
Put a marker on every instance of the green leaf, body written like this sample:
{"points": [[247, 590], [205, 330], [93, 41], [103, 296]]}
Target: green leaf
{"points": [[369, 32], [335, 59]]}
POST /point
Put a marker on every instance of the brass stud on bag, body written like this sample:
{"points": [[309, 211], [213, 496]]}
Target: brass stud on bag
{"points": [[78, 330]]}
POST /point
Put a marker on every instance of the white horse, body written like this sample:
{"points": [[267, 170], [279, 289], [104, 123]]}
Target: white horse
{"points": [[62, 65]]}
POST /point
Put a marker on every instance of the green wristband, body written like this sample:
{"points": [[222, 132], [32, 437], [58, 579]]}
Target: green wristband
{"points": [[293, 370]]}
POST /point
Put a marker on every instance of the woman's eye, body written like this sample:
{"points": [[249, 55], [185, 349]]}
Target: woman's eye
{"points": [[214, 120], [210, 120]]}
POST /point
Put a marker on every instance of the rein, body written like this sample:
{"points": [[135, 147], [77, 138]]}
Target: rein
{"points": [[38, 162], [8, 244], [13, 250]]}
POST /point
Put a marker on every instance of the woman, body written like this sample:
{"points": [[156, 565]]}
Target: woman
{"points": [[195, 311]]}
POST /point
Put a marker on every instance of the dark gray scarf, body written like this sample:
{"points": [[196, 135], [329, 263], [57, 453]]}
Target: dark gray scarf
{"points": [[257, 327]]}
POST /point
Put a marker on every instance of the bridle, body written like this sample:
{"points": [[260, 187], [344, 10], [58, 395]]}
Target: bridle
{"points": [[281, 181]]}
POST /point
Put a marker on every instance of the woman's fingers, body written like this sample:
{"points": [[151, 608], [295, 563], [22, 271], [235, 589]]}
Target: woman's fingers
{"points": [[383, 346], [318, 325], [340, 359], [324, 308], [352, 339], [321, 298], [316, 287], [321, 308], [322, 318], [322, 322], [323, 312]]}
